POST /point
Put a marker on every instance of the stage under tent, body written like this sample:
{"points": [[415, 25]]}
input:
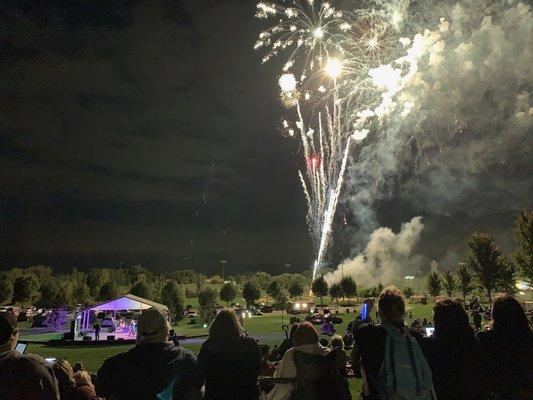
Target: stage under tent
{"points": [[117, 318]]}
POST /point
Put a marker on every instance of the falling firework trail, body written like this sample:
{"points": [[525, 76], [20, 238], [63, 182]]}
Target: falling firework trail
{"points": [[343, 75]]}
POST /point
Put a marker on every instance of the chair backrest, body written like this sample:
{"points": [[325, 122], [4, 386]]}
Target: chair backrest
{"points": [[317, 376]]}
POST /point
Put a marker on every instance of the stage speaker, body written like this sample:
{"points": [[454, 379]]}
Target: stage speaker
{"points": [[110, 337], [68, 336], [85, 338]]}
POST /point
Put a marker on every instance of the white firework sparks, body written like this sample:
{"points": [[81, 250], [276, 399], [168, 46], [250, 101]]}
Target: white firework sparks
{"points": [[329, 56]]}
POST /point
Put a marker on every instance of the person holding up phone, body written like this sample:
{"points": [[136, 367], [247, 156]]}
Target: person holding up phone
{"points": [[22, 376]]}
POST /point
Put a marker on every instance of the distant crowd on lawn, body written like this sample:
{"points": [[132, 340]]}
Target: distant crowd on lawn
{"points": [[394, 361]]}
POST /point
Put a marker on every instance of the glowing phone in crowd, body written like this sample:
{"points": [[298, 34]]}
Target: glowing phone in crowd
{"points": [[366, 308], [430, 330], [21, 347]]}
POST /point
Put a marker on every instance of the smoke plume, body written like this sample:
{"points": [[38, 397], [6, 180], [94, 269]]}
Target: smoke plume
{"points": [[456, 136], [385, 256]]}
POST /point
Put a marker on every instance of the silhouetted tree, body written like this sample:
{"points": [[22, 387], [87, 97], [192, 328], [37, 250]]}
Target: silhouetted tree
{"points": [[523, 236], [449, 283], [273, 289], [172, 297], [228, 292], [24, 289], [296, 289], [281, 299], [141, 289], [108, 291], [434, 284], [263, 279], [6, 288], [206, 302], [320, 288], [485, 260], [251, 292], [336, 292], [464, 280], [349, 287]]}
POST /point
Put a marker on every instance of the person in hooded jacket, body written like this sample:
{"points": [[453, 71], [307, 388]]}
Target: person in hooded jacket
{"points": [[229, 361], [459, 363], [154, 369], [510, 347]]}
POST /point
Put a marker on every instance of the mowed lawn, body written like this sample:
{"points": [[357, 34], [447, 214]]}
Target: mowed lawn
{"points": [[266, 328]]}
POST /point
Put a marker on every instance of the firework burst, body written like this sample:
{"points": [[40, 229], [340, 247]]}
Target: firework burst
{"points": [[325, 77]]}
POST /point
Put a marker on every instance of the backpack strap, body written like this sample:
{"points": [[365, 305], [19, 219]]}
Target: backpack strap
{"points": [[408, 340]]}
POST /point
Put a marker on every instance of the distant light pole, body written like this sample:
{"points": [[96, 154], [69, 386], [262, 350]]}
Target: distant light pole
{"points": [[287, 266], [223, 262], [420, 282]]}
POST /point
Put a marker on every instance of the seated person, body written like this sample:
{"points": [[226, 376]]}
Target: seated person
{"points": [[229, 361], [84, 386], [154, 367], [278, 353], [338, 343], [305, 340], [67, 384], [22, 376]]}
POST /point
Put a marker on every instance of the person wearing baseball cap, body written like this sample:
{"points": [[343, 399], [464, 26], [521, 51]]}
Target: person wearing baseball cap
{"points": [[154, 368], [22, 376]]}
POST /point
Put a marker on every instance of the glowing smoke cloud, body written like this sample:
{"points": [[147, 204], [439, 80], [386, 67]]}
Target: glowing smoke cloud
{"points": [[437, 94], [384, 257]]}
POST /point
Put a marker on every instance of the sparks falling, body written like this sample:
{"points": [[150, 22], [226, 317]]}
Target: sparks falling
{"points": [[336, 79]]}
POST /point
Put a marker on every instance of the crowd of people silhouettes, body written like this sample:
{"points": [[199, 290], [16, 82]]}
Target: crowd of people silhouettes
{"points": [[393, 360]]}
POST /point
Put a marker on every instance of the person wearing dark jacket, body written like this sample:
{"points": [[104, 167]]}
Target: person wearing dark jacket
{"points": [[510, 347], [457, 359], [368, 352], [22, 376], [229, 361], [154, 368]]}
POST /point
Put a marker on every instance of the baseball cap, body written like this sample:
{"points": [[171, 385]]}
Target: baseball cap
{"points": [[8, 325], [152, 324]]}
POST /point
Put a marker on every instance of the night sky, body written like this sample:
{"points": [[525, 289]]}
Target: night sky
{"points": [[148, 133]]}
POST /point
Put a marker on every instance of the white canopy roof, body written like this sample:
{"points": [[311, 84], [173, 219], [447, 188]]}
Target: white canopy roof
{"points": [[127, 302]]}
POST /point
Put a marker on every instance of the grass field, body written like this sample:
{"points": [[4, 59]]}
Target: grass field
{"points": [[267, 329]]}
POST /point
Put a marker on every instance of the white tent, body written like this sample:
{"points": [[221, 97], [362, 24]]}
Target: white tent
{"points": [[129, 303]]}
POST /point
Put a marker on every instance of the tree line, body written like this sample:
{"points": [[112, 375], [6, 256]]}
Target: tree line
{"points": [[486, 268]]}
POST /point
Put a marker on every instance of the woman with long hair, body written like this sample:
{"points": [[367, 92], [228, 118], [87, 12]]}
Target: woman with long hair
{"points": [[306, 340], [510, 345], [456, 358], [229, 361]]}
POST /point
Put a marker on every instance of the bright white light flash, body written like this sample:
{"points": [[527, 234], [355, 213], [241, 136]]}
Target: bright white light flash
{"points": [[333, 68], [287, 83], [318, 33]]}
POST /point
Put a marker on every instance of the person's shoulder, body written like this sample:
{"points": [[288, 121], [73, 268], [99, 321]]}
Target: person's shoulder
{"points": [[486, 337], [34, 359], [34, 363], [369, 329], [416, 334], [185, 355], [248, 340], [116, 361]]}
